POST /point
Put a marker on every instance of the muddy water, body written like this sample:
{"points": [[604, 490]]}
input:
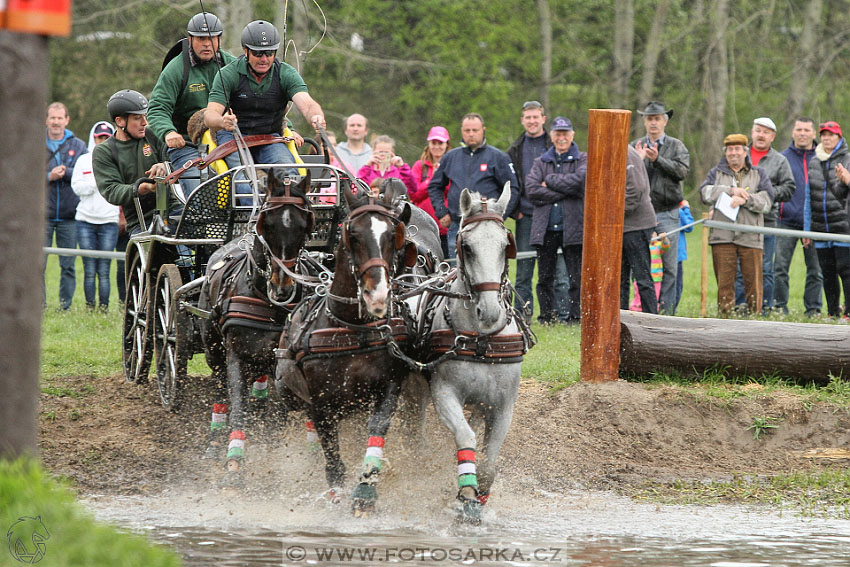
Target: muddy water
{"points": [[573, 528], [281, 518]]}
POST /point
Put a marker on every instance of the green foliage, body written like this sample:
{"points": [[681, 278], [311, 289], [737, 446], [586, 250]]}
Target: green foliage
{"points": [[762, 425], [429, 62], [75, 538]]}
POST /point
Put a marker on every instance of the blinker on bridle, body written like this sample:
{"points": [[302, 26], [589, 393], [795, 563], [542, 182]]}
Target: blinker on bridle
{"points": [[510, 250]]}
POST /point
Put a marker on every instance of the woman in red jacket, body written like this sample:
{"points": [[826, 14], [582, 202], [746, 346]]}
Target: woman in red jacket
{"points": [[423, 171]]}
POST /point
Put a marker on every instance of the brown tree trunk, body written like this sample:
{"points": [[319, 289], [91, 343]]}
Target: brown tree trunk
{"points": [[624, 45], [545, 17], [604, 206], [715, 86], [234, 14], [646, 91], [806, 49], [22, 110], [798, 351]]}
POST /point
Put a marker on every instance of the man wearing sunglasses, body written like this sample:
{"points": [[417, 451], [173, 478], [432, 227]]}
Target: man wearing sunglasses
{"points": [[183, 87], [254, 92]]}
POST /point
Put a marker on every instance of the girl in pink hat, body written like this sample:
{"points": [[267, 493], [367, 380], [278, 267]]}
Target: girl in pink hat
{"points": [[423, 171]]}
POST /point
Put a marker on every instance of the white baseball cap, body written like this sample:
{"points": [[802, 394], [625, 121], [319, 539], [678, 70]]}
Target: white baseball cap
{"points": [[766, 122]]}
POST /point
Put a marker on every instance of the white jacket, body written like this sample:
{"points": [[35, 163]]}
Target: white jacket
{"points": [[93, 208]]}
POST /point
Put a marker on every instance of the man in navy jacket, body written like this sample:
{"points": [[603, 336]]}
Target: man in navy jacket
{"points": [[790, 216], [475, 166], [63, 149]]}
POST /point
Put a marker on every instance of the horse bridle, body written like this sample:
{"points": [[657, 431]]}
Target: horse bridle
{"points": [[510, 251], [398, 237], [276, 202], [272, 203]]}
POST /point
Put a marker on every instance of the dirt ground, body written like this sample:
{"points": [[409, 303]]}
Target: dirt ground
{"points": [[118, 439]]}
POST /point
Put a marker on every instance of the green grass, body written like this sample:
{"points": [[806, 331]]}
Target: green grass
{"points": [[74, 537], [811, 494], [80, 342]]}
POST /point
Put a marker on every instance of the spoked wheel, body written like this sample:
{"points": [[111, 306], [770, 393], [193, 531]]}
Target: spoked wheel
{"points": [[137, 333], [172, 337]]}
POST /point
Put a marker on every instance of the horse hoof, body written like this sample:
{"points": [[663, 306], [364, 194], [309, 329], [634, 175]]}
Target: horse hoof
{"points": [[469, 511], [332, 496], [363, 500], [214, 452], [232, 479]]}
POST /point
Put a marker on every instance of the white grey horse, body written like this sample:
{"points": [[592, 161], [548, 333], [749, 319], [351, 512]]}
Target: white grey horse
{"points": [[479, 325]]}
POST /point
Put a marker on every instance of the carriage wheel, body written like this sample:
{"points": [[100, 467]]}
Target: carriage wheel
{"points": [[172, 336], [137, 333]]}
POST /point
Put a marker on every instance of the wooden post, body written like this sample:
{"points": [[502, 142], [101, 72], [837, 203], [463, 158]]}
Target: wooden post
{"points": [[604, 207], [703, 281], [22, 111]]}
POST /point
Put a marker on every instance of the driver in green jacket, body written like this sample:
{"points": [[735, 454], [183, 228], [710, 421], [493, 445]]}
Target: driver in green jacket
{"points": [[183, 88]]}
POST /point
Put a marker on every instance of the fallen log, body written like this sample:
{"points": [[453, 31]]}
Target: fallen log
{"points": [[806, 352]]}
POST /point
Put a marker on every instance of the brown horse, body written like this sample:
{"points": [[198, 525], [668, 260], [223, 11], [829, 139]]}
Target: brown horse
{"points": [[335, 352], [250, 292]]}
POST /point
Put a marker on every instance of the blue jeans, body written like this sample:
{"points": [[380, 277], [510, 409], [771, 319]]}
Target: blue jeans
{"points": [[191, 178], [766, 276], [271, 153], [812, 295], [451, 239], [66, 237], [97, 237], [667, 221]]}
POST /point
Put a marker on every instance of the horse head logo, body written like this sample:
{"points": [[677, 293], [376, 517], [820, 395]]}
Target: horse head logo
{"points": [[26, 539]]}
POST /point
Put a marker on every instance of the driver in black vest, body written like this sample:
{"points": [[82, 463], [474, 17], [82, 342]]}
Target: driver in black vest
{"points": [[254, 91]]}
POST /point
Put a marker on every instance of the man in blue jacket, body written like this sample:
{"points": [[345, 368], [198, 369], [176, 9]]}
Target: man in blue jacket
{"points": [[790, 216], [63, 149], [475, 166]]}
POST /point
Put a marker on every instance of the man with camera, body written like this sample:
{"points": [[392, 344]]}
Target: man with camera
{"points": [[667, 161]]}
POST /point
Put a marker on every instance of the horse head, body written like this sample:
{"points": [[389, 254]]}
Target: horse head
{"points": [[372, 236], [483, 248], [283, 226]]}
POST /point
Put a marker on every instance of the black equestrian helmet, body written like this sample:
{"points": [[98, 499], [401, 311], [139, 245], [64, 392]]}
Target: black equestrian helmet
{"points": [[127, 102], [260, 35], [204, 24]]}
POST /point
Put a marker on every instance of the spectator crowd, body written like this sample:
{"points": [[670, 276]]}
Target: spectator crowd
{"points": [[91, 187]]}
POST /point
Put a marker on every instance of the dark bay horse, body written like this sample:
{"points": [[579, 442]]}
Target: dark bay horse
{"points": [[249, 292], [334, 354]]}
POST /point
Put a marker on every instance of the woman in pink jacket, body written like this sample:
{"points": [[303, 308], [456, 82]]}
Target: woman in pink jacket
{"points": [[423, 171]]}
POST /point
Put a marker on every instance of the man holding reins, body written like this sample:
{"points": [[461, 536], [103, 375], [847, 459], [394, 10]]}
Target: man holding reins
{"points": [[254, 92]]}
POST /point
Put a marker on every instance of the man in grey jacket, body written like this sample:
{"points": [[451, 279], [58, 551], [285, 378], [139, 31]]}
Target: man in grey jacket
{"points": [[782, 179], [667, 161]]}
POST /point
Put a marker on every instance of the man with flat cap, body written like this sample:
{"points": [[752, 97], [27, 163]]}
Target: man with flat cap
{"points": [[739, 193], [667, 161]]}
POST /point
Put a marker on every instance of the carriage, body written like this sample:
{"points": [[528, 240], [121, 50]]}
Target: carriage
{"points": [[165, 263], [339, 349]]}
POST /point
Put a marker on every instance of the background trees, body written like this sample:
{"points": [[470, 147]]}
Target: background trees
{"points": [[408, 65]]}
